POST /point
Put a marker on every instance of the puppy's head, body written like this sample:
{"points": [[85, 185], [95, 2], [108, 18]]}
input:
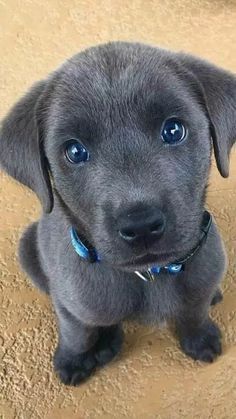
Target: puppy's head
{"points": [[124, 132]]}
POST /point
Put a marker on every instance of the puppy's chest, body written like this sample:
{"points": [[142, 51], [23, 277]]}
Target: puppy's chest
{"points": [[108, 300]]}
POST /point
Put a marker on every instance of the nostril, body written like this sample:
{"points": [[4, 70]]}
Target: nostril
{"points": [[127, 234], [156, 228]]}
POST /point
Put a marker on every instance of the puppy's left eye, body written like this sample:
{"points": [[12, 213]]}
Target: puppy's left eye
{"points": [[173, 131], [75, 152]]}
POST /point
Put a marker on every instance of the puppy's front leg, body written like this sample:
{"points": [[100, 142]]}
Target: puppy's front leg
{"points": [[82, 348], [200, 337]]}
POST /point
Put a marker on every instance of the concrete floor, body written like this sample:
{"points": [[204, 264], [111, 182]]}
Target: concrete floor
{"points": [[152, 378]]}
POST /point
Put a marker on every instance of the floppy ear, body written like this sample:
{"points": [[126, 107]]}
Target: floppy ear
{"points": [[21, 148], [218, 91]]}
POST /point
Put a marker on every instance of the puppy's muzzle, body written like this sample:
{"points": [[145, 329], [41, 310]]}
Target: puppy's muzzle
{"points": [[147, 224]]}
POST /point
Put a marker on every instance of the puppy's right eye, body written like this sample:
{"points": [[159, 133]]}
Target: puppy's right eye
{"points": [[75, 152], [173, 131]]}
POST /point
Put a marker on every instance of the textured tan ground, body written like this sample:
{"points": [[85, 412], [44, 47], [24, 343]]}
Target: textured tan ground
{"points": [[152, 378]]}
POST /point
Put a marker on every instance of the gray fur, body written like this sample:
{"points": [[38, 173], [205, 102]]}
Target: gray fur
{"points": [[114, 99]]}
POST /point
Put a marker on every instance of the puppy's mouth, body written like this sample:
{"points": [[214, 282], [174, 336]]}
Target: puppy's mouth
{"points": [[148, 260]]}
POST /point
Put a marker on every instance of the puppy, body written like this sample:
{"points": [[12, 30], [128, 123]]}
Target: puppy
{"points": [[117, 145]]}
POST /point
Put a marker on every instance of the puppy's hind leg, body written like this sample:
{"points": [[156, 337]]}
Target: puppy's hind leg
{"points": [[29, 258], [218, 297]]}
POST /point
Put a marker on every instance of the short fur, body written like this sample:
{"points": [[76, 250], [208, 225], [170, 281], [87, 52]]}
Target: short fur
{"points": [[114, 99]]}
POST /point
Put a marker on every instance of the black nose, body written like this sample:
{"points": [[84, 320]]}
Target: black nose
{"points": [[145, 223]]}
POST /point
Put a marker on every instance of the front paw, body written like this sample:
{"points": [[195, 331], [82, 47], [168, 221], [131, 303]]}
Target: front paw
{"points": [[74, 369], [204, 345], [71, 369]]}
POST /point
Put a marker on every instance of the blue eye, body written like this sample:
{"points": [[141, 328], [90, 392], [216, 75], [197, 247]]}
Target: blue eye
{"points": [[173, 131], [75, 152]]}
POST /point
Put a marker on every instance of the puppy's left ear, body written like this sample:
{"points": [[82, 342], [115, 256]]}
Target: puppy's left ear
{"points": [[218, 92]]}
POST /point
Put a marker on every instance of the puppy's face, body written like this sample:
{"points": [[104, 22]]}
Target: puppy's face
{"points": [[146, 150], [126, 133]]}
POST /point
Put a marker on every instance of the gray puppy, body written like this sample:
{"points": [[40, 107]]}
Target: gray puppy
{"points": [[117, 145]]}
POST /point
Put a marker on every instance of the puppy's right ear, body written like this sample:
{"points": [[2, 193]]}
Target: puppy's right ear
{"points": [[21, 146]]}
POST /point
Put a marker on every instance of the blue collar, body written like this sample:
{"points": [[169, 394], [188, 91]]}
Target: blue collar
{"points": [[85, 252], [90, 254]]}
